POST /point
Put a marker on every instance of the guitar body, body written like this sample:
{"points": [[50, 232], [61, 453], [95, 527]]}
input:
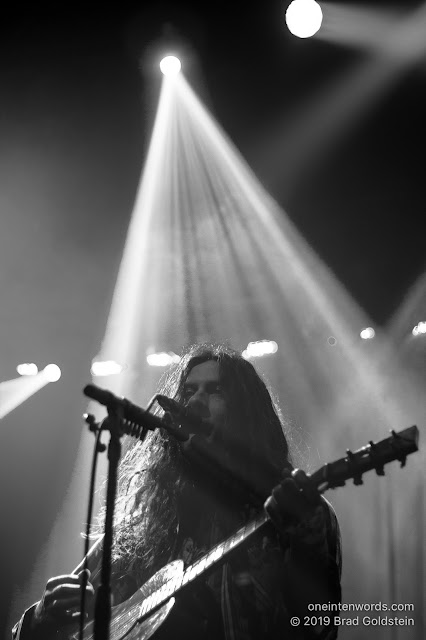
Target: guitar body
{"points": [[124, 615]]}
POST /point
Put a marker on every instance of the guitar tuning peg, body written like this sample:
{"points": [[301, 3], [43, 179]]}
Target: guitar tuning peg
{"points": [[395, 444], [379, 467], [354, 468]]}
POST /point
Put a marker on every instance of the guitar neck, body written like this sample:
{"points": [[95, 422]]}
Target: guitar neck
{"points": [[218, 553]]}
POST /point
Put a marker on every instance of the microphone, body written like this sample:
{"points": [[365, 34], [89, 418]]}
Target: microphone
{"points": [[181, 414], [131, 412]]}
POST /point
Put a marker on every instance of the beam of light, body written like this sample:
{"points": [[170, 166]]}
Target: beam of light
{"points": [[15, 392], [27, 369], [368, 333], [392, 43], [170, 66], [303, 18], [127, 308], [396, 33]]}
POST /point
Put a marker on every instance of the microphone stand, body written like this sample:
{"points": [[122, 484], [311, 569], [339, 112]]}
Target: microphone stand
{"points": [[113, 423]]}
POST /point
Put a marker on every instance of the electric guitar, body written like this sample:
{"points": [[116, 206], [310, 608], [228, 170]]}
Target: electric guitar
{"points": [[139, 617]]}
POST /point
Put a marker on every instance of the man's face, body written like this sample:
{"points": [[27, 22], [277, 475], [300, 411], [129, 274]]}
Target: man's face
{"points": [[204, 397]]}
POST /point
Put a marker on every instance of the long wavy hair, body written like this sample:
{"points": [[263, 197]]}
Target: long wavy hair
{"points": [[155, 478]]}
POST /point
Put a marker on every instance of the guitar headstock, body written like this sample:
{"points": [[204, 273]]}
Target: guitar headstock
{"points": [[373, 456]]}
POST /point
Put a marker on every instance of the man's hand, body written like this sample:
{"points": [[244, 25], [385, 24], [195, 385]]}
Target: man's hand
{"points": [[60, 603], [295, 509]]}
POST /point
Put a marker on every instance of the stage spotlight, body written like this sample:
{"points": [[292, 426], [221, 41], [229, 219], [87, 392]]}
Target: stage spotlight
{"points": [[106, 368], [162, 359], [52, 372], [368, 333], [170, 66], [27, 369], [419, 329], [303, 18], [260, 348]]}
